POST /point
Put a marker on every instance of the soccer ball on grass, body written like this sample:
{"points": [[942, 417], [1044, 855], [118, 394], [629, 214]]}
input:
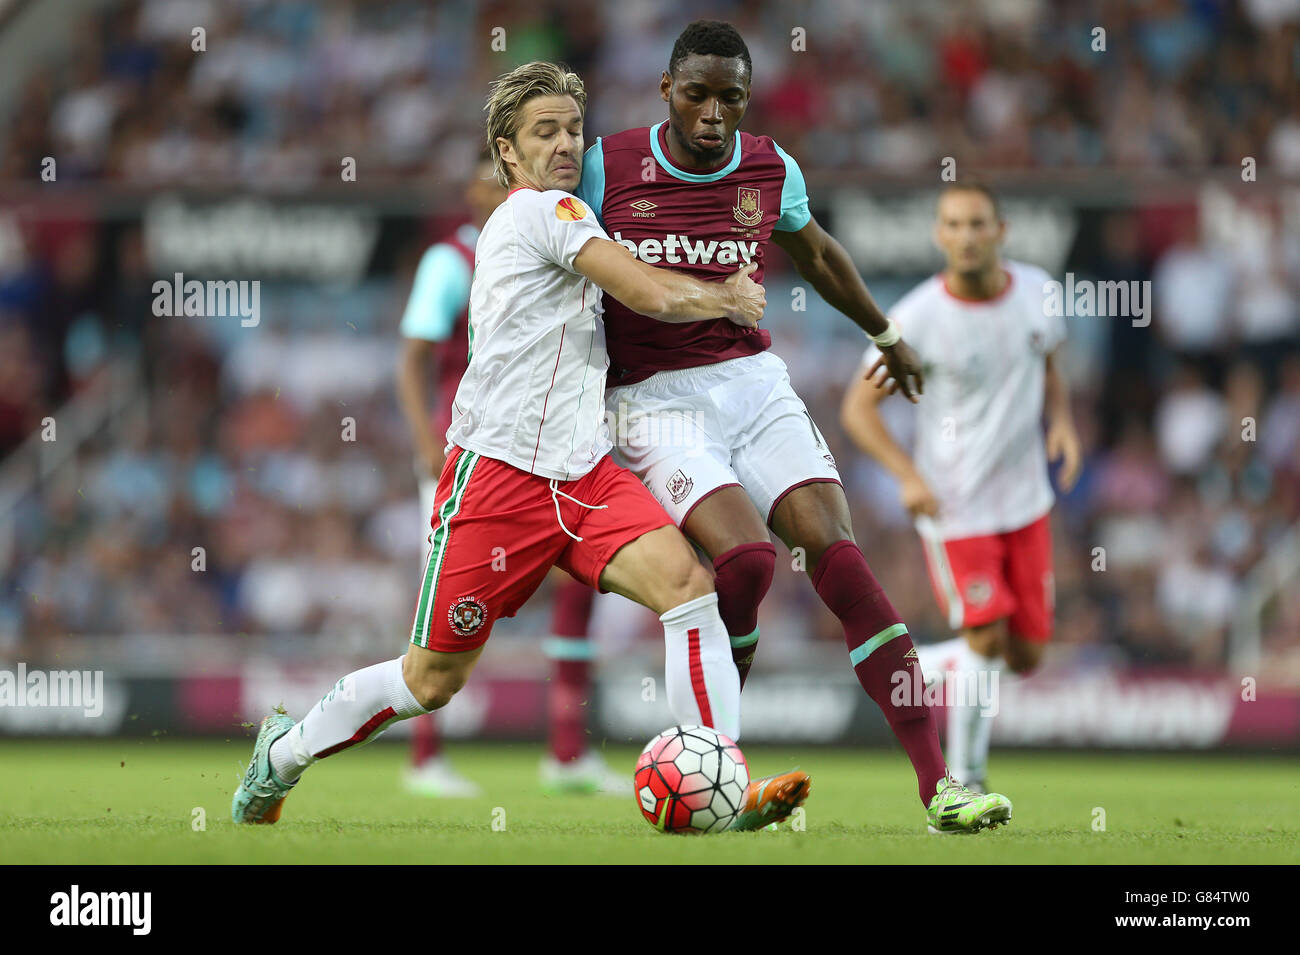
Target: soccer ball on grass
{"points": [[691, 779]]}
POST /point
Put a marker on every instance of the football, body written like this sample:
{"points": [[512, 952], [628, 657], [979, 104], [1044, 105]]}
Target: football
{"points": [[691, 779]]}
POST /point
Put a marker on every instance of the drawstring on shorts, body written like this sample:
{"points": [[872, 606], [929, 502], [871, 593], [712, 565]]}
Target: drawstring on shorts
{"points": [[556, 494]]}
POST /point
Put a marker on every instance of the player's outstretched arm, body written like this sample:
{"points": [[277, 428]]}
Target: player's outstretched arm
{"points": [[860, 416], [670, 296], [820, 259]]}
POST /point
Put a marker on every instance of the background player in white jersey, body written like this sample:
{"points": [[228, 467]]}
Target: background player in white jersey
{"points": [[528, 434], [978, 486], [434, 356]]}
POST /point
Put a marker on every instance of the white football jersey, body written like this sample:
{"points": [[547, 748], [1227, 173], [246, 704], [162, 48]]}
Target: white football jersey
{"points": [[979, 433], [534, 393]]}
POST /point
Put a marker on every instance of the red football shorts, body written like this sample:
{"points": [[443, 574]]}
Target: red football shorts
{"points": [[496, 534], [978, 580]]}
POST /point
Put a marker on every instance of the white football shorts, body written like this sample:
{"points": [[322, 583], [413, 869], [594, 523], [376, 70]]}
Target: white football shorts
{"points": [[689, 432]]}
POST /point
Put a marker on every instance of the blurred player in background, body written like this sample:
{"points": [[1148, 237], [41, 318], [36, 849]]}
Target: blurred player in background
{"points": [[707, 415], [978, 486], [434, 356]]}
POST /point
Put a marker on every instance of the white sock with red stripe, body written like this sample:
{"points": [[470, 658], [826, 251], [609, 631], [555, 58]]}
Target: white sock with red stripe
{"points": [[703, 682], [360, 707]]}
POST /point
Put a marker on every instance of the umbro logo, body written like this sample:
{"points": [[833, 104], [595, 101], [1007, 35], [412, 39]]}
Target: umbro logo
{"points": [[643, 207]]}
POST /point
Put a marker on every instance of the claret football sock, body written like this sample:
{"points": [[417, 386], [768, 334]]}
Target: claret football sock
{"points": [[426, 741], [569, 693], [571, 655], [882, 656], [742, 577], [361, 706], [703, 685]]}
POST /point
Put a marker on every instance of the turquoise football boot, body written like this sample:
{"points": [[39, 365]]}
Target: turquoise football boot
{"points": [[261, 795]]}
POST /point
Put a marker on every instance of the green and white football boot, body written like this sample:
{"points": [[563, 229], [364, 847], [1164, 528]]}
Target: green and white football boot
{"points": [[958, 809], [260, 796]]}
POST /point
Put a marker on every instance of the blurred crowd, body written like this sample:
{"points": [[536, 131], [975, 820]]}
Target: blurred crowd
{"points": [[234, 498], [279, 453], [281, 90]]}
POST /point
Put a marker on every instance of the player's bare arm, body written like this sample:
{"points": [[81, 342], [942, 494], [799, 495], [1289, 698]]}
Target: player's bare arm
{"points": [[820, 259], [413, 395], [861, 419], [670, 296], [1062, 438]]}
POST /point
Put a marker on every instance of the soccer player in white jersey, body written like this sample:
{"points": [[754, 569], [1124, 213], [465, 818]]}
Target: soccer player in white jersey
{"points": [[978, 485], [528, 482], [434, 356]]}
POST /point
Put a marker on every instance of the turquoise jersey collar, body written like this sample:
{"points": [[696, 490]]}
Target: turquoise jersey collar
{"points": [[692, 176]]}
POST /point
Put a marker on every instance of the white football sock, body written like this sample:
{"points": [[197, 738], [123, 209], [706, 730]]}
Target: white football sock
{"points": [[361, 706], [970, 720], [933, 657], [703, 682]]}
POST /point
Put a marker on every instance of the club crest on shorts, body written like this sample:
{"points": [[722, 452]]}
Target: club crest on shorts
{"points": [[748, 209], [679, 485], [467, 615], [979, 592]]}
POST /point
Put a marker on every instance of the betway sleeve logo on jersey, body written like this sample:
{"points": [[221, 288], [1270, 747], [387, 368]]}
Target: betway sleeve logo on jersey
{"points": [[675, 249]]}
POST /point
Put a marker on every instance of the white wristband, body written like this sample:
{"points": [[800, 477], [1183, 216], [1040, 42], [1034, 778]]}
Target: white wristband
{"points": [[888, 337]]}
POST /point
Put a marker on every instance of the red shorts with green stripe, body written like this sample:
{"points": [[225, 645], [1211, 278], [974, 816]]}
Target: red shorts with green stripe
{"points": [[496, 534]]}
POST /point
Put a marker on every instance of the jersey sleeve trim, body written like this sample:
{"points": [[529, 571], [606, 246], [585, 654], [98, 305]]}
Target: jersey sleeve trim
{"points": [[794, 196], [438, 295], [591, 188]]}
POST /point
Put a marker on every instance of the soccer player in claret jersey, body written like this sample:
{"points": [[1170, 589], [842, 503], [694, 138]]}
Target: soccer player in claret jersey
{"points": [[978, 486], [435, 348], [529, 482], [705, 413]]}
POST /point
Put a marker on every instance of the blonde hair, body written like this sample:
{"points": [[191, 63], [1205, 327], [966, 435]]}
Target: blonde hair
{"points": [[510, 91]]}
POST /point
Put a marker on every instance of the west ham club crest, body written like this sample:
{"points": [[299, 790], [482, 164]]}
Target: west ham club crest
{"points": [[679, 485], [749, 209]]}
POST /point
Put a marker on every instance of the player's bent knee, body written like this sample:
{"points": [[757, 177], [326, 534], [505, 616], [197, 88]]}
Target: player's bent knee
{"points": [[743, 577], [431, 679], [680, 576], [745, 573], [695, 582], [434, 691]]}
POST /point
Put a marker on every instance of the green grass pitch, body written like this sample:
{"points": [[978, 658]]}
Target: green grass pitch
{"points": [[132, 801]]}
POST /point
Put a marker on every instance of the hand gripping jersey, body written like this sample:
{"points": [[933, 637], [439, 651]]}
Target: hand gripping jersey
{"points": [[533, 394], [705, 224]]}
